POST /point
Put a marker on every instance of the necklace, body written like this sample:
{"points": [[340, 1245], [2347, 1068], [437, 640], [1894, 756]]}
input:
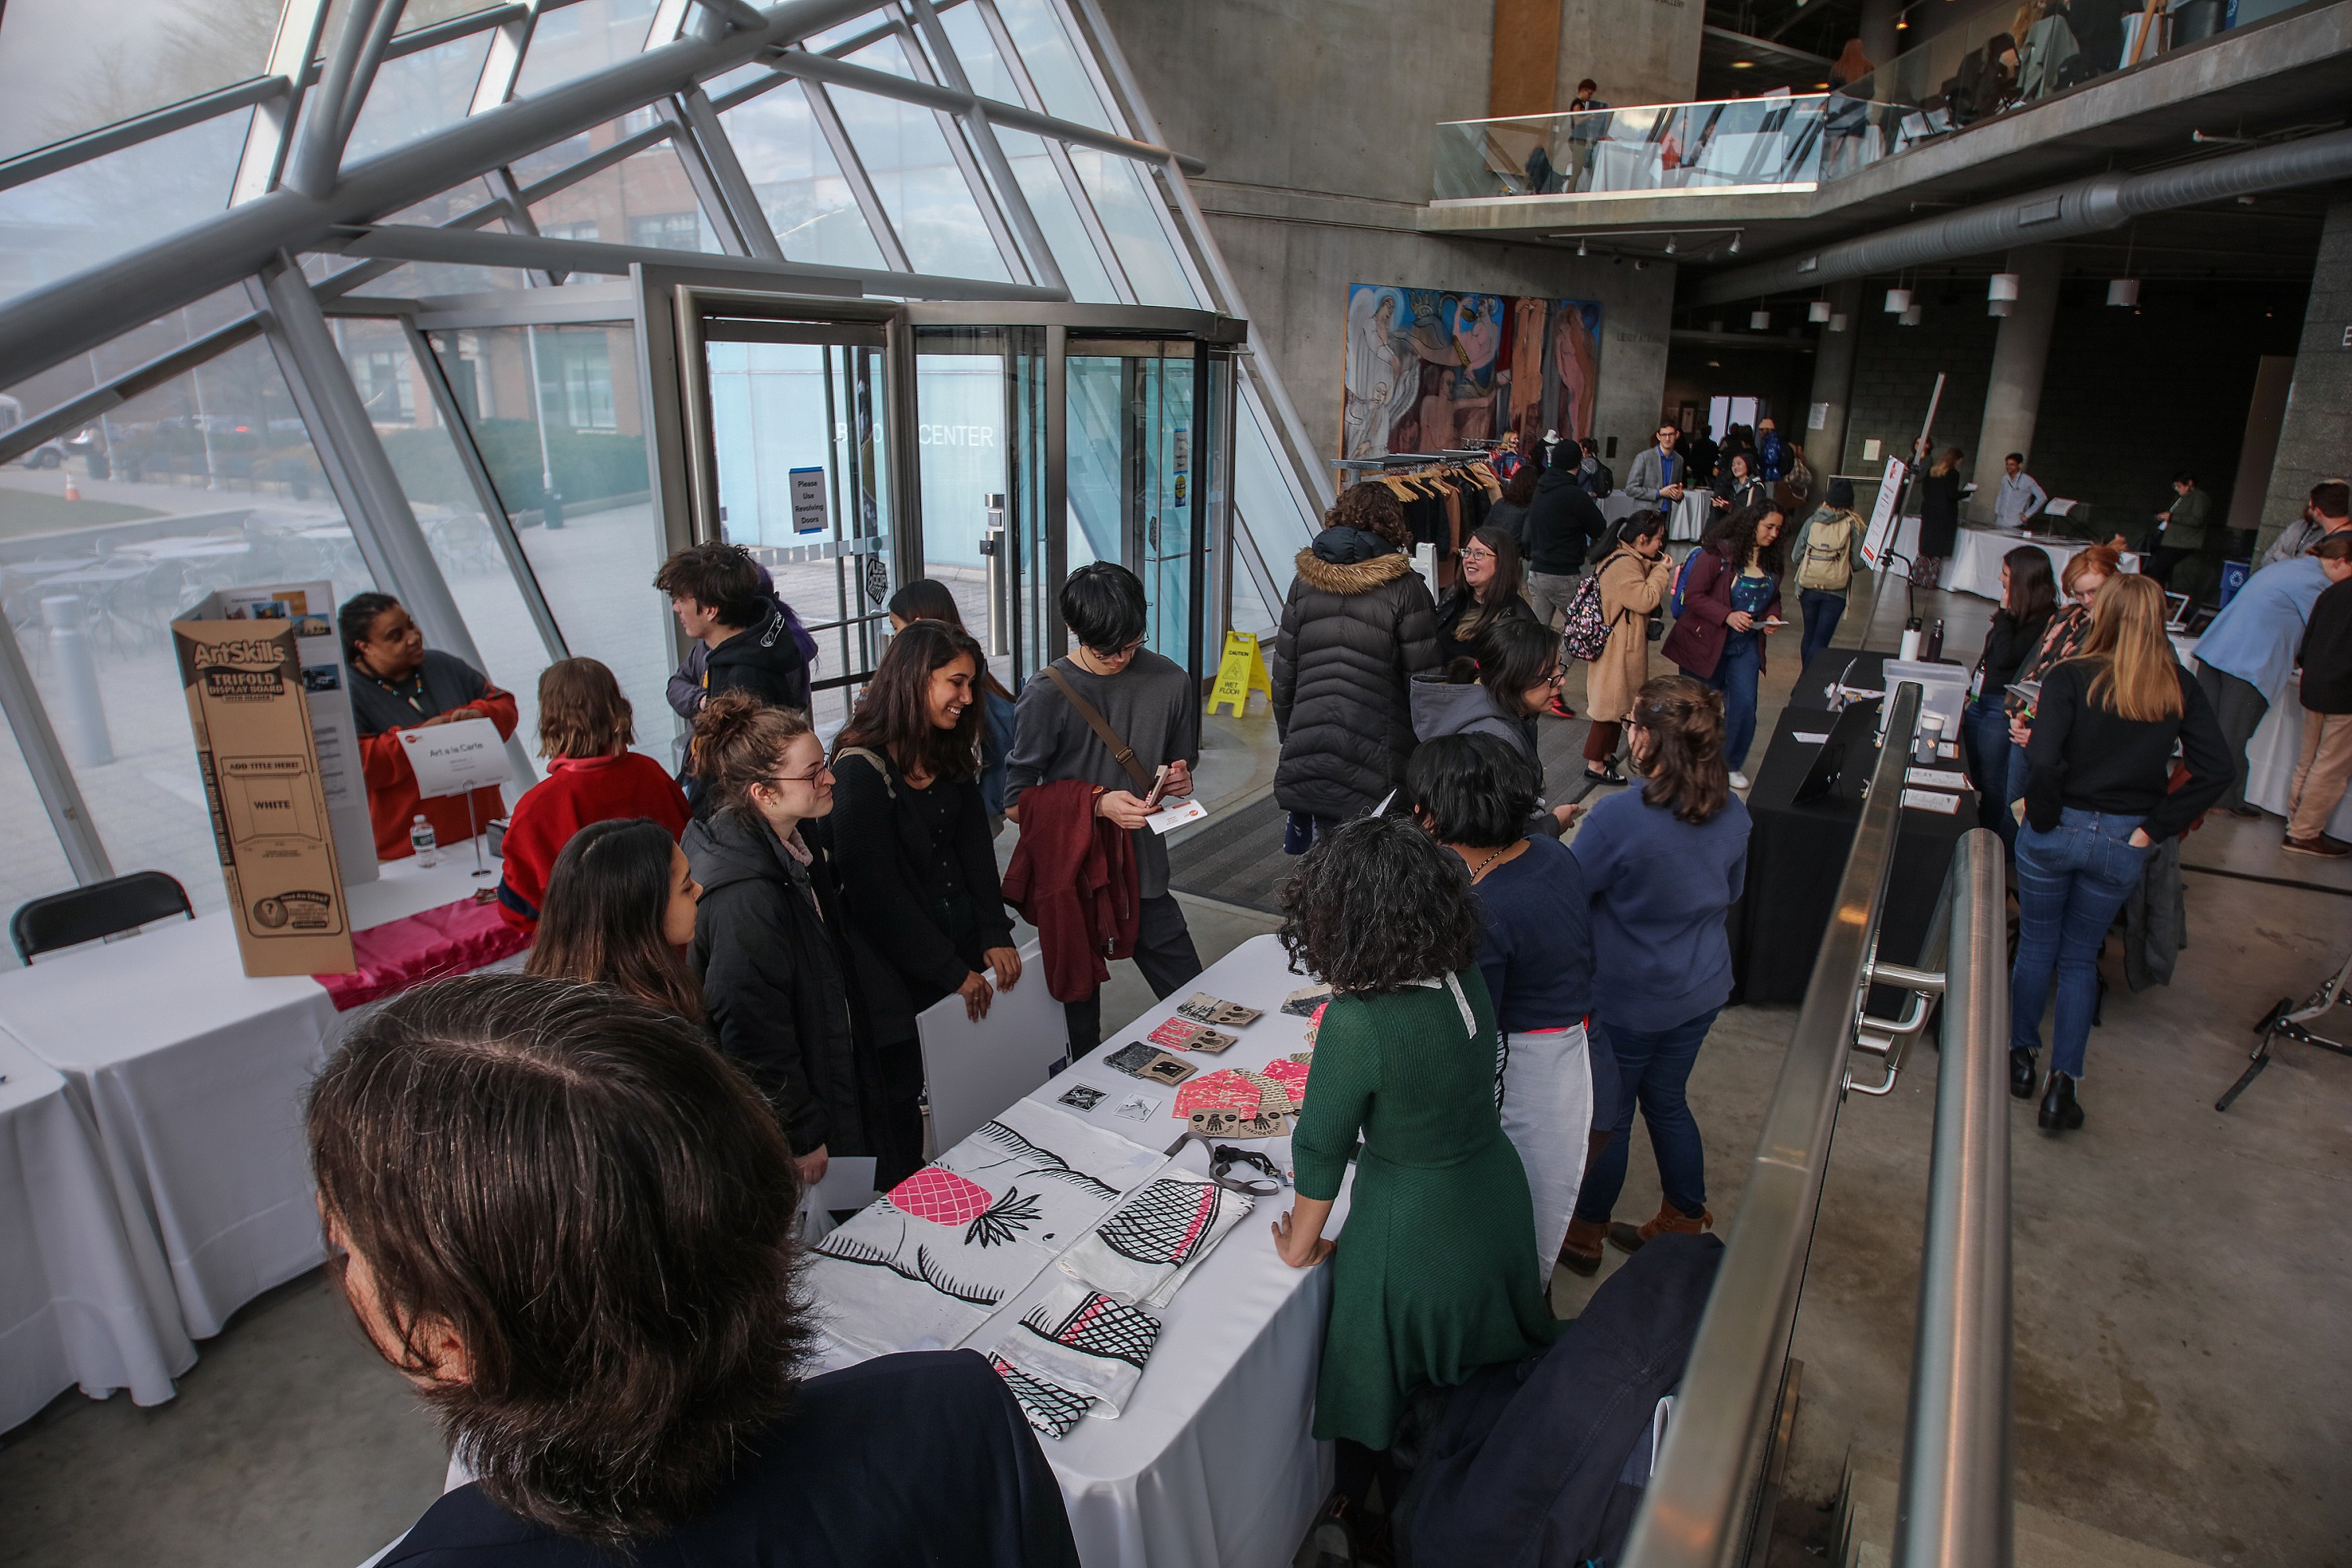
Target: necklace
{"points": [[1480, 868]]}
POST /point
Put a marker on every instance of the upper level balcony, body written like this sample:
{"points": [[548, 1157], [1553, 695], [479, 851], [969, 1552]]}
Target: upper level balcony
{"points": [[2004, 98]]}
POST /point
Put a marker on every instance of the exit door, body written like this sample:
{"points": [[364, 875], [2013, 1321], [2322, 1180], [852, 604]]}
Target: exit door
{"points": [[1134, 412]]}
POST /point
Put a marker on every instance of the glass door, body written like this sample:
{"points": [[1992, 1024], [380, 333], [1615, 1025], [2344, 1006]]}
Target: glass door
{"points": [[799, 473], [1135, 415], [980, 455]]}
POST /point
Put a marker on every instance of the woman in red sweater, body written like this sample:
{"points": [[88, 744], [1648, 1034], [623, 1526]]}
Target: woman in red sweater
{"points": [[584, 730]]}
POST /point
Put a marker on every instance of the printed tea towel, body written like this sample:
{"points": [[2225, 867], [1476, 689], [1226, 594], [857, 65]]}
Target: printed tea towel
{"points": [[1148, 1247], [1075, 1350], [925, 1263]]}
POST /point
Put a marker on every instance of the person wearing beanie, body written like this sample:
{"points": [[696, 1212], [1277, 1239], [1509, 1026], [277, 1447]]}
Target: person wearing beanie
{"points": [[1826, 554]]}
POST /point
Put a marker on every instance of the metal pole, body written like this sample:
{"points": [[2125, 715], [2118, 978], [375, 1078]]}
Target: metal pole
{"points": [[68, 618], [539, 419], [335, 108], [1956, 1508], [45, 760]]}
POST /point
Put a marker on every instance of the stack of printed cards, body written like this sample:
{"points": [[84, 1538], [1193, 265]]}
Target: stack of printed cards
{"points": [[1138, 1060], [1308, 1002], [1180, 1036], [1203, 1008]]}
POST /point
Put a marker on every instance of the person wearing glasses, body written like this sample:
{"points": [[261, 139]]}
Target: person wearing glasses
{"points": [[1148, 702], [1516, 677], [1488, 592], [768, 942]]}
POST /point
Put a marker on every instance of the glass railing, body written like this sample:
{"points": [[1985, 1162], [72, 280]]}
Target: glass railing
{"points": [[1735, 144]]}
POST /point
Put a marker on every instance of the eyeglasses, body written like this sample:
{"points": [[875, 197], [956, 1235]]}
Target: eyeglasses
{"points": [[823, 772], [1477, 555], [1120, 652], [1554, 677]]}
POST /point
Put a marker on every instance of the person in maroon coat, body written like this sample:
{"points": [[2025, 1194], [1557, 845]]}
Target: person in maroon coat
{"points": [[1731, 602]]}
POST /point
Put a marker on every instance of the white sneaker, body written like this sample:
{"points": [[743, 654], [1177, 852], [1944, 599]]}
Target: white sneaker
{"points": [[1739, 779]]}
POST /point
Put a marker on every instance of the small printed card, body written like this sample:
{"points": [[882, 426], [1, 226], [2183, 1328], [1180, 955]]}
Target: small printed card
{"points": [[1930, 800], [1229, 1123], [1084, 1096], [1203, 1008], [1138, 1060], [1137, 1108], [1178, 1034], [1803, 738], [1308, 1002], [1939, 778], [1175, 815]]}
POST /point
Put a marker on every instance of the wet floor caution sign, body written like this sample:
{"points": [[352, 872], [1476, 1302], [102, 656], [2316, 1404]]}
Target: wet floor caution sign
{"points": [[1242, 671]]}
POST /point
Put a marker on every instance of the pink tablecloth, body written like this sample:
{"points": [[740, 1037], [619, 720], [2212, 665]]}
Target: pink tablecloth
{"points": [[451, 940]]}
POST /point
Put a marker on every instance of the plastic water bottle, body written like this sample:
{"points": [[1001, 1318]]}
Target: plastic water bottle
{"points": [[421, 840]]}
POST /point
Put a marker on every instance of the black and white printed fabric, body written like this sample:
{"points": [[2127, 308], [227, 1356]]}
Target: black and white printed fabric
{"points": [[1076, 1350], [1150, 1244], [925, 1265]]}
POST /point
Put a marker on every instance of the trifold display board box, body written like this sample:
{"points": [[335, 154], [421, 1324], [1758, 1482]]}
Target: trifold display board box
{"points": [[250, 703]]}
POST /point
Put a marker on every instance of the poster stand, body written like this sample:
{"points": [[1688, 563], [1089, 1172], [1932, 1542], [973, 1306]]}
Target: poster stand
{"points": [[457, 758]]}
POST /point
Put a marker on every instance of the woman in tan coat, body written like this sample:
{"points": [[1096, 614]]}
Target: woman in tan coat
{"points": [[1635, 578]]}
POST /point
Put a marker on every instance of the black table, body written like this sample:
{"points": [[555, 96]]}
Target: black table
{"points": [[1796, 854]]}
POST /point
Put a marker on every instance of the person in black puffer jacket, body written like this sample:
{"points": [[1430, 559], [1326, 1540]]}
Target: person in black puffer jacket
{"points": [[1357, 625]]}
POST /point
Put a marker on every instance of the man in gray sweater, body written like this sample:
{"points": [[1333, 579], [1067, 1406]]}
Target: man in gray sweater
{"points": [[1150, 701]]}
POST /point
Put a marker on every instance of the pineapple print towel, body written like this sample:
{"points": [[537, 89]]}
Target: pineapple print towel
{"points": [[1146, 1251], [1074, 1350], [926, 1263]]}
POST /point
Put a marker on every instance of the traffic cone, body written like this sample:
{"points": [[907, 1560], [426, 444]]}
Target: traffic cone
{"points": [[73, 491]]}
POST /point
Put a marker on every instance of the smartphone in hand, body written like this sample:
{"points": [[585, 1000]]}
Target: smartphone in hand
{"points": [[1158, 789]]}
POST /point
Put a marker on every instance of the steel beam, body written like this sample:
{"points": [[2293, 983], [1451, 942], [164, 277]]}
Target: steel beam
{"points": [[271, 133], [718, 177], [45, 326], [342, 93], [74, 150], [847, 157], [45, 760], [1043, 264]]}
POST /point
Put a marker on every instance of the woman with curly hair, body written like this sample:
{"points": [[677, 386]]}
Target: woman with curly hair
{"points": [[1438, 1277], [572, 1225], [1662, 866], [1731, 602], [1357, 625]]}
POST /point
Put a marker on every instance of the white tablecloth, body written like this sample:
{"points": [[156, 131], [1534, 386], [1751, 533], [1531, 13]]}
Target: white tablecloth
{"points": [[1977, 555], [84, 1297], [192, 1074], [1212, 1463], [2272, 754]]}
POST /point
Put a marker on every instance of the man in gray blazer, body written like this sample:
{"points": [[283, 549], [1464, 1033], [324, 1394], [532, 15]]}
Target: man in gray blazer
{"points": [[1657, 476]]}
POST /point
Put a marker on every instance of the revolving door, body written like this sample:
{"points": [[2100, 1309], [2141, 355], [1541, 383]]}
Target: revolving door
{"points": [[854, 445]]}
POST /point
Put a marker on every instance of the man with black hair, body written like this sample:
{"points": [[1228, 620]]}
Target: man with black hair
{"points": [[1150, 703], [2327, 511], [1699, 455], [2180, 533], [714, 591]]}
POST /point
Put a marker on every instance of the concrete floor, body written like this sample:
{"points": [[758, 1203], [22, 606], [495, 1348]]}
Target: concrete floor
{"points": [[2182, 1280]]}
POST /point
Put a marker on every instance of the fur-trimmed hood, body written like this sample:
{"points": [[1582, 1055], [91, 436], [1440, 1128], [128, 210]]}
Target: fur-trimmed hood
{"points": [[1344, 566]]}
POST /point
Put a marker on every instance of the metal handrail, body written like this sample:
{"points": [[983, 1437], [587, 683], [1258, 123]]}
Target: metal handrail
{"points": [[1955, 1506], [1699, 1508]]}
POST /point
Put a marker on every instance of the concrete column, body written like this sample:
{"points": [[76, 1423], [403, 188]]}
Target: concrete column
{"points": [[1878, 34], [1832, 385], [1636, 51], [1525, 78], [2316, 437], [2014, 395]]}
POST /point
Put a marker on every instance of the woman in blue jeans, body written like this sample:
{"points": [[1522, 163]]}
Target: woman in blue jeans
{"points": [[2028, 594], [1663, 864], [2097, 802], [1731, 602]]}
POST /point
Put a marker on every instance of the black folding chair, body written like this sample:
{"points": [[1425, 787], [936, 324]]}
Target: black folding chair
{"points": [[102, 909]]}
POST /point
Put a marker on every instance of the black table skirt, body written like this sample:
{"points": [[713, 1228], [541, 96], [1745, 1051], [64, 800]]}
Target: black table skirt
{"points": [[1797, 852]]}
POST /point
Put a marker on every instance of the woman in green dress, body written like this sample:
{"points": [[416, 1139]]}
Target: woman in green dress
{"points": [[1437, 1277]]}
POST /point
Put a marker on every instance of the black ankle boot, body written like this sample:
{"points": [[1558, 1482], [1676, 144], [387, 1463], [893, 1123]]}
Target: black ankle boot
{"points": [[2022, 1075], [2060, 1112]]}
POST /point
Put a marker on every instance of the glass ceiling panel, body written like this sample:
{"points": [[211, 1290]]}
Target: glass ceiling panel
{"points": [[413, 279], [800, 186], [817, 43], [582, 39], [1049, 199], [907, 156], [79, 217], [37, 394], [1130, 211], [975, 50], [418, 93], [72, 65], [533, 167], [1053, 62], [643, 199]]}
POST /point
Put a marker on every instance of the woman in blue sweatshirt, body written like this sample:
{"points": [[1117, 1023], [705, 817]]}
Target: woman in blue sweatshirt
{"points": [[1663, 864], [1474, 793]]}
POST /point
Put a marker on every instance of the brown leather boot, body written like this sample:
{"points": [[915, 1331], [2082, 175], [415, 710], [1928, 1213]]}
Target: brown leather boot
{"points": [[1580, 1253], [1625, 1238]]}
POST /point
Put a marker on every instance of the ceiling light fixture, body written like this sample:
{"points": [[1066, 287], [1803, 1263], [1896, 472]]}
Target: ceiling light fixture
{"points": [[1819, 310], [1897, 301], [1837, 322], [1582, 246], [1736, 239], [1760, 321], [2000, 307], [2124, 291], [1670, 243], [2003, 288], [1742, 65], [1910, 317]]}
